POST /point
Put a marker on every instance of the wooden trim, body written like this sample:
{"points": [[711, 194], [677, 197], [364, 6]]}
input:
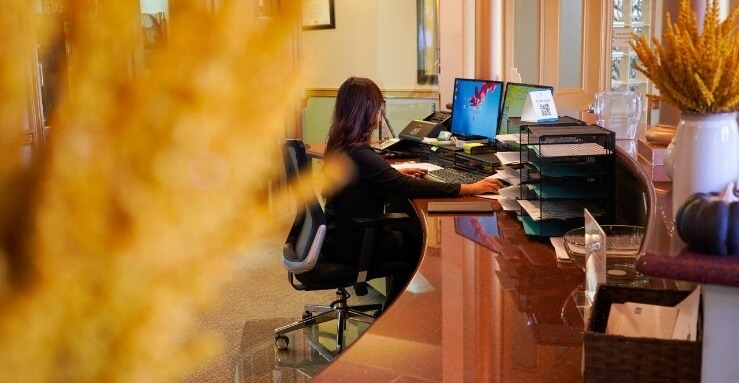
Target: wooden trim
{"points": [[393, 93], [606, 47]]}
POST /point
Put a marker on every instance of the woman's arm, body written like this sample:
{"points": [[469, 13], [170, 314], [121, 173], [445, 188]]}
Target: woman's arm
{"points": [[484, 186], [387, 181]]}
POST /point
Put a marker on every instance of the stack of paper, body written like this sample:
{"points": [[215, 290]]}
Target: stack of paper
{"points": [[567, 150], [562, 210], [513, 138], [508, 158], [509, 175]]}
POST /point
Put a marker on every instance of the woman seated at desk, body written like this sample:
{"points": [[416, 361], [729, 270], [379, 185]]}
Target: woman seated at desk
{"points": [[358, 112]]}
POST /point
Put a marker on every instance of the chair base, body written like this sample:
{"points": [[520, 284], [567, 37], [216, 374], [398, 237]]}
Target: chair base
{"points": [[317, 314]]}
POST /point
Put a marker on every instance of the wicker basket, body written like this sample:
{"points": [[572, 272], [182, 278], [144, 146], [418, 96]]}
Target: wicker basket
{"points": [[613, 358]]}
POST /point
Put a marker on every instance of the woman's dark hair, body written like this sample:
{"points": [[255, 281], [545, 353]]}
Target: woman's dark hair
{"points": [[355, 114]]}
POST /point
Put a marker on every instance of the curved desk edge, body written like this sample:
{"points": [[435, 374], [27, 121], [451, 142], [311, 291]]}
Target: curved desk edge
{"points": [[421, 337]]}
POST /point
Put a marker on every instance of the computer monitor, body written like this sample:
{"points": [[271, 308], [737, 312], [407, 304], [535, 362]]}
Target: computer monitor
{"points": [[515, 96], [476, 108]]}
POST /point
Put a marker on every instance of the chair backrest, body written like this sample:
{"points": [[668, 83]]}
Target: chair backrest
{"points": [[303, 245]]}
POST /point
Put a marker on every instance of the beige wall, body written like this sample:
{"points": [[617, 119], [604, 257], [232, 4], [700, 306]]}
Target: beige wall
{"points": [[372, 38], [456, 30], [332, 55]]}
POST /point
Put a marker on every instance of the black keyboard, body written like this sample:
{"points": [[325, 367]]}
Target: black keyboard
{"points": [[451, 175]]}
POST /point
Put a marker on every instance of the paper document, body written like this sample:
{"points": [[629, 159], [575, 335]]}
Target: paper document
{"points": [[559, 248], [539, 210], [508, 158], [654, 321], [418, 165], [512, 177], [491, 196], [509, 171], [566, 150], [532, 209], [511, 191], [641, 320], [509, 204], [513, 138], [686, 325]]}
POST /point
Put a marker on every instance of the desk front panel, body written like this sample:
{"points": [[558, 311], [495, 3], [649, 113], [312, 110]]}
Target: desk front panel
{"points": [[486, 305]]}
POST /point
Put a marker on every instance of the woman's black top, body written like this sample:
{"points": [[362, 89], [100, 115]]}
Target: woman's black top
{"points": [[365, 196]]}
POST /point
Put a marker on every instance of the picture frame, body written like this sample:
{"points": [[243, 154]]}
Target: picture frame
{"points": [[427, 53], [318, 14]]}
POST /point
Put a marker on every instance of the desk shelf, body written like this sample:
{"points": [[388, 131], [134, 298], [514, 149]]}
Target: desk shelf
{"points": [[567, 168]]}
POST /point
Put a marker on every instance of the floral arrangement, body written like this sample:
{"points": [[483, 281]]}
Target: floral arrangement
{"points": [[121, 232], [695, 71]]}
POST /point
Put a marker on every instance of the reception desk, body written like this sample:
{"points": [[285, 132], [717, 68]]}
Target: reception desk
{"points": [[487, 303]]}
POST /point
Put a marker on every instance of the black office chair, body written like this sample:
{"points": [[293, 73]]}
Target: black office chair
{"points": [[301, 256]]}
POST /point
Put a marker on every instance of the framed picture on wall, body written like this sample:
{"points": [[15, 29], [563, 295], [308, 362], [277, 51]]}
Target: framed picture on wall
{"points": [[318, 14], [428, 41]]}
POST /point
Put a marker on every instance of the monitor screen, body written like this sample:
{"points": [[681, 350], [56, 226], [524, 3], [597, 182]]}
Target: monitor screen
{"points": [[482, 230], [476, 108], [515, 96]]}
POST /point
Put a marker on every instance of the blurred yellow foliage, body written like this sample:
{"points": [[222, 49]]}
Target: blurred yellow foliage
{"points": [[695, 71], [119, 232]]}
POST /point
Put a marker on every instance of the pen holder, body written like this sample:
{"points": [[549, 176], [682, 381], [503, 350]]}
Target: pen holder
{"points": [[615, 358]]}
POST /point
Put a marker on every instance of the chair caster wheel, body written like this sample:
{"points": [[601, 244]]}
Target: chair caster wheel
{"points": [[281, 342], [307, 315]]}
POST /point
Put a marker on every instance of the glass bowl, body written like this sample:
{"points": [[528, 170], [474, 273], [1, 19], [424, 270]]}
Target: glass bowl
{"points": [[622, 247]]}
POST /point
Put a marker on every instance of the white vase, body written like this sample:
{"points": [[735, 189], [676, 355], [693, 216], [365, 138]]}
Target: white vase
{"points": [[705, 156]]}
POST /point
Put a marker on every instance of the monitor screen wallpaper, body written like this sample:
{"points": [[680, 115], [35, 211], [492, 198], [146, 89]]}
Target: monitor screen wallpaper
{"points": [[481, 230], [476, 108]]}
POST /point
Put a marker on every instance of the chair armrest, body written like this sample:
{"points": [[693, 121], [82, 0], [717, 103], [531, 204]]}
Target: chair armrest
{"points": [[380, 220]]}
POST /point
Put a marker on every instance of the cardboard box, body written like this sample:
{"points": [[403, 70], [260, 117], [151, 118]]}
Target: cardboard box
{"points": [[652, 153], [654, 172]]}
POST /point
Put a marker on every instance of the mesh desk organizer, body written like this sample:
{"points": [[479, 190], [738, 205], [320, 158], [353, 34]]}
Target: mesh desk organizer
{"points": [[564, 170]]}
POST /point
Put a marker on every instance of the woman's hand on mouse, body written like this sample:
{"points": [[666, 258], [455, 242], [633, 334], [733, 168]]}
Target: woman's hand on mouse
{"points": [[484, 186]]}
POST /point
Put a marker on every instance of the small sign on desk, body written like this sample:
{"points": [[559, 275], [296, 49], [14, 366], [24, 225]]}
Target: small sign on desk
{"points": [[539, 107]]}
